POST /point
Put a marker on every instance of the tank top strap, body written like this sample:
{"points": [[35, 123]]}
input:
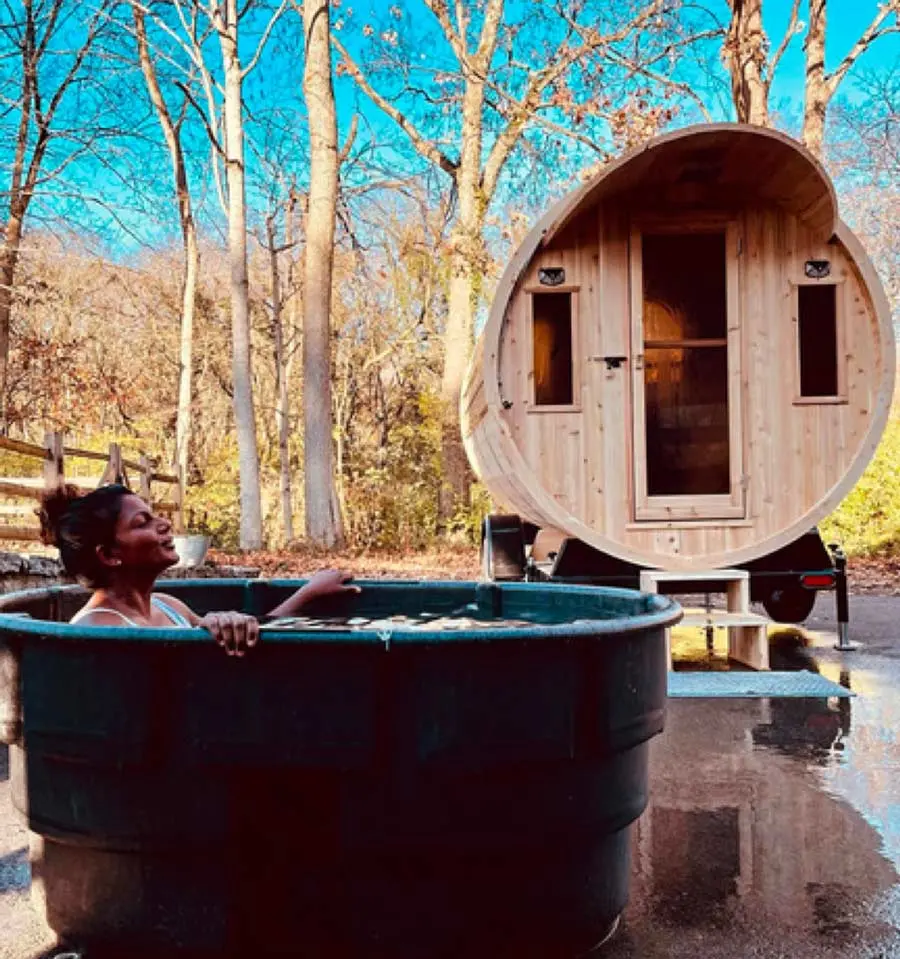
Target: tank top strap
{"points": [[80, 615], [177, 618]]}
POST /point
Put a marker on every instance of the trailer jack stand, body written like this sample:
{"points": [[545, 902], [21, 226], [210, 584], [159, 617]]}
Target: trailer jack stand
{"points": [[842, 601]]}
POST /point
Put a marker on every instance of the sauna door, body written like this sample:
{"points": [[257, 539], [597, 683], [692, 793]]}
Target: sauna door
{"points": [[686, 373]]}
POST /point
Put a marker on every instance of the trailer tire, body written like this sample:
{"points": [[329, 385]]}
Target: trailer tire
{"points": [[790, 604]]}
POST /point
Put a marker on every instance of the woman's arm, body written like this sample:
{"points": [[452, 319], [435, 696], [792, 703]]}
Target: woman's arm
{"points": [[238, 632], [330, 582]]}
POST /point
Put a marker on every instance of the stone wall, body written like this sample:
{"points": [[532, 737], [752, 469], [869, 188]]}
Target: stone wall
{"points": [[20, 571]]}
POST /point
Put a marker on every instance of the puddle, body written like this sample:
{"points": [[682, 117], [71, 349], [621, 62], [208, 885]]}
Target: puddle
{"points": [[748, 846]]}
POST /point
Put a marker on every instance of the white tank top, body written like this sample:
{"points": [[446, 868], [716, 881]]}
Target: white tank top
{"points": [[176, 618]]}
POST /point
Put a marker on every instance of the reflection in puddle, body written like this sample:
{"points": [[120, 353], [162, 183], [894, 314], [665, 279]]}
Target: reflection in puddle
{"points": [[743, 850]]}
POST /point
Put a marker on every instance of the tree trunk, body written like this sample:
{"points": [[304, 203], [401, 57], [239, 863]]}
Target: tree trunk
{"points": [[323, 520], [294, 323], [281, 385], [745, 55], [186, 353], [817, 93], [244, 416], [9, 258], [466, 265], [457, 349], [171, 133]]}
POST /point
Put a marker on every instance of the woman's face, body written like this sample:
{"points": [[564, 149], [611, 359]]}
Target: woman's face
{"points": [[143, 539]]}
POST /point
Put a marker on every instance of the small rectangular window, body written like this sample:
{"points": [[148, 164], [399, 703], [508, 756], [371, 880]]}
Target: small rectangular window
{"points": [[817, 331], [552, 339]]}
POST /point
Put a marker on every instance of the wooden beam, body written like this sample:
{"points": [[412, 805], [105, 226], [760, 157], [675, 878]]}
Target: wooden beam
{"points": [[163, 478], [102, 457], [85, 454], [20, 533], [82, 483], [20, 446], [8, 488]]}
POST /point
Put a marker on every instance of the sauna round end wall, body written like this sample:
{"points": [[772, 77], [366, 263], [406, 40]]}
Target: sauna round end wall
{"points": [[432, 786], [689, 361]]}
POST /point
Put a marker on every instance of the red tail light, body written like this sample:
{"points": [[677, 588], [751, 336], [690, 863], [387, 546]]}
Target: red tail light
{"points": [[818, 580]]}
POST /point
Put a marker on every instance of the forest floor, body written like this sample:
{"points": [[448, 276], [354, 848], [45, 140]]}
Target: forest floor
{"points": [[872, 575], [440, 562]]}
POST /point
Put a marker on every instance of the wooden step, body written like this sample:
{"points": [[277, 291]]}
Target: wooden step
{"points": [[693, 576], [736, 582], [722, 618]]}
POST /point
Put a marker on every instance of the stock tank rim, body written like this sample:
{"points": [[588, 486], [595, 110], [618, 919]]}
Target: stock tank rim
{"points": [[663, 612]]}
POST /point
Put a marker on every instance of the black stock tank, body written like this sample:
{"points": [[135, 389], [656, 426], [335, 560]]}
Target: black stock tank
{"points": [[426, 769]]}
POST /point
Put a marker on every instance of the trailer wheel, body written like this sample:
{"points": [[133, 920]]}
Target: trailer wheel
{"points": [[502, 549], [791, 604]]}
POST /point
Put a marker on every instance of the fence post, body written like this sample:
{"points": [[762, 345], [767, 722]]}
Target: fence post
{"points": [[54, 466], [146, 470], [178, 517], [114, 472]]}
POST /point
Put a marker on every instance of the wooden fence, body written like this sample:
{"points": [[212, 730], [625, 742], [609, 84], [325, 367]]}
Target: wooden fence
{"points": [[55, 455]]}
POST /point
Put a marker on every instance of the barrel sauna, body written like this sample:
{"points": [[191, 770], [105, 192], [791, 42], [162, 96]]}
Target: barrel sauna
{"points": [[689, 361]]}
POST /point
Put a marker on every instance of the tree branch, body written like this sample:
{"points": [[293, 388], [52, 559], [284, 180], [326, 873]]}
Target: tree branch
{"points": [[55, 100], [424, 147], [789, 33], [487, 42], [462, 23], [210, 133], [569, 133], [592, 41], [264, 38], [683, 88], [870, 34], [48, 32], [348, 143], [442, 14]]}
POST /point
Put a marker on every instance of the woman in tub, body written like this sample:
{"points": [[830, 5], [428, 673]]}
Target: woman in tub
{"points": [[112, 542]]}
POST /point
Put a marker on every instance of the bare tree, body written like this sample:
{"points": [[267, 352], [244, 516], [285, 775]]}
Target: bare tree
{"points": [[746, 56], [47, 76], [323, 518], [498, 94], [172, 128], [864, 151], [225, 18], [752, 67], [223, 118], [283, 348], [821, 85]]}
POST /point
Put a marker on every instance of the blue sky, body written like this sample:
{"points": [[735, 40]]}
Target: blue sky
{"points": [[278, 78], [847, 20]]}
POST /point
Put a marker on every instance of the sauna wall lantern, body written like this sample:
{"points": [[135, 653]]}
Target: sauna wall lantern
{"points": [[817, 269], [551, 276]]}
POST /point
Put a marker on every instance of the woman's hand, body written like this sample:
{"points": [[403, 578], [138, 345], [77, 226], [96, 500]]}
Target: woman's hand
{"points": [[329, 582], [236, 632]]}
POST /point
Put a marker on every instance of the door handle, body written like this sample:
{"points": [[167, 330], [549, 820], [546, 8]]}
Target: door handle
{"points": [[614, 362]]}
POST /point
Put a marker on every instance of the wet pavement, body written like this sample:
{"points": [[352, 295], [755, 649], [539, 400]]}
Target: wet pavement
{"points": [[773, 828]]}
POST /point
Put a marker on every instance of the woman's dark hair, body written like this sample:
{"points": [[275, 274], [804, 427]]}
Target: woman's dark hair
{"points": [[78, 523]]}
